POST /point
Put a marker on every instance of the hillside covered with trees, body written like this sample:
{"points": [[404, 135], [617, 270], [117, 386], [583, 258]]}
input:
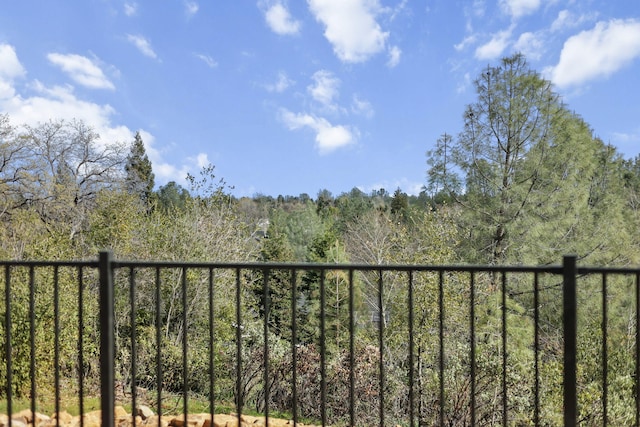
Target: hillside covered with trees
{"points": [[525, 181]]}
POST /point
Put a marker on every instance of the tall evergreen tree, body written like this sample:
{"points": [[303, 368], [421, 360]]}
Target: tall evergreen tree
{"points": [[140, 177], [400, 204], [528, 196]]}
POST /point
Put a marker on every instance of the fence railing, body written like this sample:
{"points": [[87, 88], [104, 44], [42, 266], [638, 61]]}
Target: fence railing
{"points": [[328, 344]]}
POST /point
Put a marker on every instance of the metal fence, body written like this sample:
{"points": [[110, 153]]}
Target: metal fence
{"points": [[326, 343]]}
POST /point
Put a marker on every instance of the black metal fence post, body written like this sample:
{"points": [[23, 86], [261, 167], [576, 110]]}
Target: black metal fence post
{"points": [[569, 320], [107, 340]]}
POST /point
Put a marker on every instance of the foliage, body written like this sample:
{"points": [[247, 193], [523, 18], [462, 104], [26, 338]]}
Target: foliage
{"points": [[140, 178], [172, 196], [527, 197], [508, 188]]}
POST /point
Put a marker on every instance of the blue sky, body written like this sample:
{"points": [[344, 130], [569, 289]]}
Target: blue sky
{"points": [[294, 96]]}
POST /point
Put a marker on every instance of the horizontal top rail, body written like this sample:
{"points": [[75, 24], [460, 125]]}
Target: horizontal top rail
{"points": [[343, 266], [45, 263], [550, 269]]}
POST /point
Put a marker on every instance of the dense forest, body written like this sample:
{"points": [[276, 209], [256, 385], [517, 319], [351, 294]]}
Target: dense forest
{"points": [[525, 181]]}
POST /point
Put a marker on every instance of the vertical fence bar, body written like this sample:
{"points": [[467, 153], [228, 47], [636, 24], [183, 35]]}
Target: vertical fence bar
{"points": [[441, 342], [56, 337], [107, 340], [570, 329], [185, 354], [352, 376], [411, 351], [7, 337], [80, 345], [536, 349], [504, 350], [239, 395], [266, 304], [294, 344], [134, 350], [472, 350], [158, 346], [605, 355], [381, 344], [32, 338], [323, 351], [637, 370], [212, 388]]}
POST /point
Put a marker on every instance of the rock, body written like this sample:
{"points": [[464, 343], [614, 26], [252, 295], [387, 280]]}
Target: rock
{"points": [[16, 423], [152, 421], [90, 419], [260, 421], [23, 416], [119, 411], [145, 418], [223, 420], [145, 412], [252, 420], [193, 420], [128, 421], [26, 416], [63, 417]]}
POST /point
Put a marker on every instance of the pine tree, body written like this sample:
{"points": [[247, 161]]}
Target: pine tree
{"points": [[528, 196], [140, 177], [400, 204]]}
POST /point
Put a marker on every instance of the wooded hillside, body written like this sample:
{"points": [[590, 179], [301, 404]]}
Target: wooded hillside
{"points": [[524, 182]]}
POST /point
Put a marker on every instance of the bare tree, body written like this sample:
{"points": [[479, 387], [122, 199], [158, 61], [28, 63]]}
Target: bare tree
{"points": [[60, 170]]}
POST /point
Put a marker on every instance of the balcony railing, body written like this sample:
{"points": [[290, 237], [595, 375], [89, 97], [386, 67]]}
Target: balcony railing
{"points": [[328, 344]]}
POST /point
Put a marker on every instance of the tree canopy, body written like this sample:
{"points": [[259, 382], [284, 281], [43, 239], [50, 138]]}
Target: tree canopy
{"points": [[524, 170]]}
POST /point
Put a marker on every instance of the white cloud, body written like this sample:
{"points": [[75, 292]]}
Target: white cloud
{"points": [[143, 45], [479, 8], [325, 88], [599, 52], [191, 8], [464, 43], [567, 20], [494, 47], [131, 9], [328, 137], [282, 84], [351, 27], [563, 20], [10, 66], [10, 69], [82, 70], [165, 172], [362, 107], [6, 89], [280, 20], [518, 8], [531, 45], [61, 103], [211, 63], [394, 57]]}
